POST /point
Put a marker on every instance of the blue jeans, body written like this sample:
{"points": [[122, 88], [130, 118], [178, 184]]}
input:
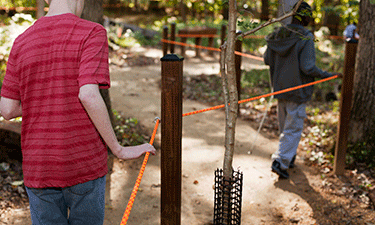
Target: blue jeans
{"points": [[291, 116], [49, 206]]}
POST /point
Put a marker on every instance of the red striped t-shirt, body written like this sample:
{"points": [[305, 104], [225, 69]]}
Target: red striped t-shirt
{"points": [[47, 65]]}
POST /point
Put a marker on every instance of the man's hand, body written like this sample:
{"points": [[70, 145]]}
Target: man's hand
{"points": [[133, 152]]}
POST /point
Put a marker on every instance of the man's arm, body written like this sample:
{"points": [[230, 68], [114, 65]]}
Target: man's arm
{"points": [[95, 106], [10, 108], [308, 63]]}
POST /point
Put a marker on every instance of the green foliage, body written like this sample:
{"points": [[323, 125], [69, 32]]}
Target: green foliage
{"points": [[362, 152], [256, 78], [143, 41], [128, 131], [18, 3], [348, 11], [8, 33]]}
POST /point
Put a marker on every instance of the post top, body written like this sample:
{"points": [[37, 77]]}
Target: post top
{"points": [[172, 57]]}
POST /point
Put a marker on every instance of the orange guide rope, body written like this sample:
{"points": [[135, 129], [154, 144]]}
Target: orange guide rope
{"points": [[129, 207], [212, 49], [263, 96], [189, 45]]}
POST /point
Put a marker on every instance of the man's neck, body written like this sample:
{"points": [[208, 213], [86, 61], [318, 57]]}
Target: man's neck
{"points": [[59, 7]]}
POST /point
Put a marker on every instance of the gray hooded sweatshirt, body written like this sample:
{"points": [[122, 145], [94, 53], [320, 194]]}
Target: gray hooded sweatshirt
{"points": [[291, 57]]}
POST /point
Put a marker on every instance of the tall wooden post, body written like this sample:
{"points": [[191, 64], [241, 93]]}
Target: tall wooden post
{"points": [[165, 37], [171, 135], [173, 36], [345, 108]]}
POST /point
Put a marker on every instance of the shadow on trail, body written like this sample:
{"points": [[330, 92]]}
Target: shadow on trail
{"points": [[299, 185]]}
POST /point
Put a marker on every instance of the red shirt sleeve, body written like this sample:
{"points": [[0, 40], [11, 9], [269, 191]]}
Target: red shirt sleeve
{"points": [[94, 68], [11, 83]]}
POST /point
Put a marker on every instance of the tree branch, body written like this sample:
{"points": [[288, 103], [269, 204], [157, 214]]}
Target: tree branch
{"points": [[271, 21]]}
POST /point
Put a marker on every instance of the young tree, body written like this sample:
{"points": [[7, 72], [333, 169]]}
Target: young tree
{"points": [[228, 74], [362, 121]]}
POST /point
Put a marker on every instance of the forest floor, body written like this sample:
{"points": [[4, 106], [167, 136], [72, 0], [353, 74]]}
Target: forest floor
{"points": [[312, 195]]}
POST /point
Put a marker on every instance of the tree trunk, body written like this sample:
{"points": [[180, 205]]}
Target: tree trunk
{"points": [[362, 121], [93, 11], [40, 8], [265, 14], [232, 91], [225, 11], [183, 11], [331, 19]]}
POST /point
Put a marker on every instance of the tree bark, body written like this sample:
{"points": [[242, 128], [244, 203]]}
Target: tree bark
{"points": [[40, 8], [362, 121], [230, 76], [93, 11], [265, 14], [331, 19], [183, 11], [225, 11]]}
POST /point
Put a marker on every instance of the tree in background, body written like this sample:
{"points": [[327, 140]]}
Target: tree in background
{"points": [[40, 8], [362, 121], [265, 14], [93, 11]]}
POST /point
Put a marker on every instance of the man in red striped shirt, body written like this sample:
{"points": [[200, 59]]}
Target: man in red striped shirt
{"points": [[54, 73]]}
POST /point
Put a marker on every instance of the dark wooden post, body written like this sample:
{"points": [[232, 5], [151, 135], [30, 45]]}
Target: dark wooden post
{"points": [[345, 108], [211, 40], [183, 48], [223, 34], [171, 134], [238, 62], [165, 37], [198, 41], [173, 36]]}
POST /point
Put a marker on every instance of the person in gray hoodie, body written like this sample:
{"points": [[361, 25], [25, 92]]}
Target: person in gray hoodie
{"points": [[291, 56]]}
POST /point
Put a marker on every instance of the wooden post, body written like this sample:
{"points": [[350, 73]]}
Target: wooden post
{"points": [[165, 37], [198, 41], [173, 36], [238, 62], [183, 48], [345, 108], [171, 135], [211, 44]]}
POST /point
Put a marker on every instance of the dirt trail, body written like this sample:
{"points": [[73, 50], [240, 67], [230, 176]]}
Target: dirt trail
{"points": [[265, 199]]}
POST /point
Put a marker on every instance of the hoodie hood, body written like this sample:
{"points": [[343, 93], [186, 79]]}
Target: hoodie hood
{"points": [[283, 39]]}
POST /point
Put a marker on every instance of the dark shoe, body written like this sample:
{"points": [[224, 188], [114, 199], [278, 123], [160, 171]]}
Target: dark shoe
{"points": [[291, 164], [276, 169]]}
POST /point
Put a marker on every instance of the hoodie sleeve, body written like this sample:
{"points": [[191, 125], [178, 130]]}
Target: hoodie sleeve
{"points": [[307, 59]]}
